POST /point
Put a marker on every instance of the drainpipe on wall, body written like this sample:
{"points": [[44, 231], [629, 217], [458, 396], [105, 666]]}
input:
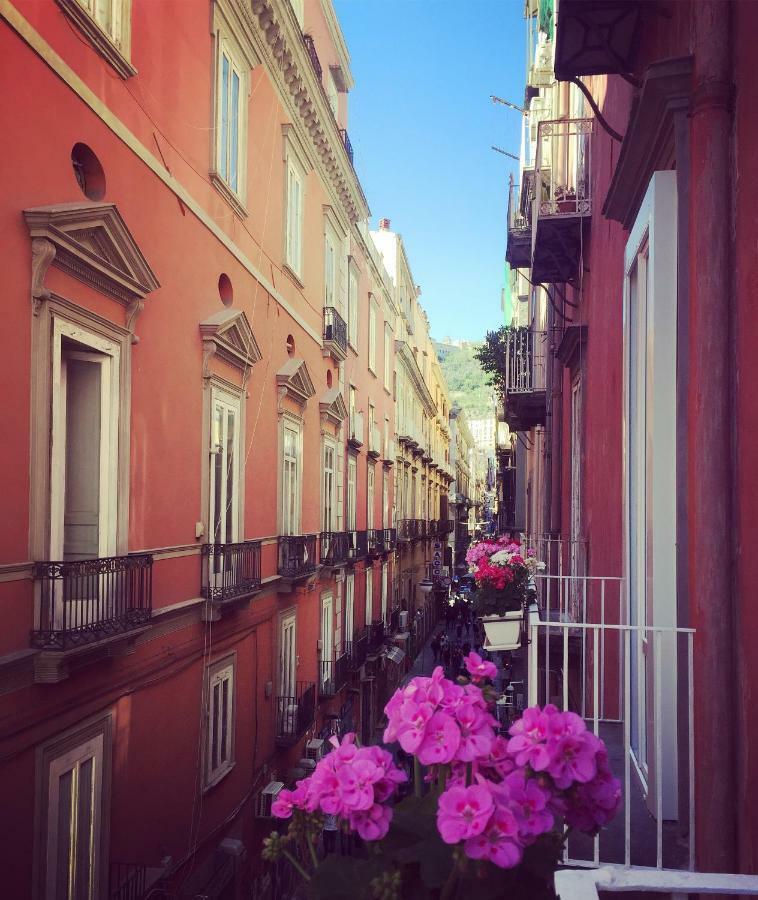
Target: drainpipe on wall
{"points": [[557, 430], [547, 496], [709, 479]]}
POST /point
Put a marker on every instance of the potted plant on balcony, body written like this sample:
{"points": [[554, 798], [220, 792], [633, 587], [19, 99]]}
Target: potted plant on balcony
{"points": [[488, 815], [504, 574], [565, 199]]}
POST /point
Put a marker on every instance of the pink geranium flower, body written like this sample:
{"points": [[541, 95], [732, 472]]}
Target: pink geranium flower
{"points": [[572, 759], [479, 668], [372, 824], [477, 734], [463, 812], [528, 737], [441, 740], [498, 842]]}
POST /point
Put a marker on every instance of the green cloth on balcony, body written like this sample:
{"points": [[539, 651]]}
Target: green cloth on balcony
{"points": [[546, 18]]}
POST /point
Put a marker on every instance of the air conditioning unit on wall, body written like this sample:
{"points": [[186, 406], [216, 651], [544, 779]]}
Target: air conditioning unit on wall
{"points": [[315, 748], [404, 620], [266, 798]]}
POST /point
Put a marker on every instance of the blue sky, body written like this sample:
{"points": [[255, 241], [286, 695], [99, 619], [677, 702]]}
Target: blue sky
{"points": [[421, 124]]}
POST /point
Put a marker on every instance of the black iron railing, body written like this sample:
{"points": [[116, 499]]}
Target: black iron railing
{"points": [[422, 527], [407, 529], [310, 46], [335, 547], [346, 144], [297, 555], [333, 675], [375, 636], [295, 713], [87, 600], [127, 882], [390, 539], [231, 571], [335, 328], [357, 547], [375, 537], [448, 526], [357, 649]]}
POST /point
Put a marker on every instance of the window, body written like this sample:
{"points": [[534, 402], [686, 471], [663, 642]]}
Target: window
{"points": [[370, 495], [352, 307], [107, 24], [373, 433], [329, 512], [287, 657], [327, 639], [330, 270], [74, 821], [349, 603], [384, 591], [385, 500], [372, 336], [231, 97], [352, 471], [291, 475], [85, 428], [224, 469], [369, 595], [387, 357], [220, 746], [294, 217]]}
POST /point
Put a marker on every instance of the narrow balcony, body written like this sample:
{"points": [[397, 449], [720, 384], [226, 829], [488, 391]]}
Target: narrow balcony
{"points": [[297, 555], [357, 545], [375, 538], [335, 547], [335, 334], [518, 250], [295, 713], [525, 369], [333, 676], [563, 198], [374, 442], [346, 144], [231, 571], [85, 601], [355, 430], [390, 539], [389, 452], [357, 649], [375, 637], [310, 47], [406, 530]]}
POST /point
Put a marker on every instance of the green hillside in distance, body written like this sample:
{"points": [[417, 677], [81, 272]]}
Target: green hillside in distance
{"points": [[465, 379]]}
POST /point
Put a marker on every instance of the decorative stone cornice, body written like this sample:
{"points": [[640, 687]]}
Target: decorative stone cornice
{"points": [[405, 353], [91, 242], [332, 407], [228, 335], [273, 28], [294, 380]]}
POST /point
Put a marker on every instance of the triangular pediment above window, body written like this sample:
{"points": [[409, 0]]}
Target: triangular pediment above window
{"points": [[294, 381], [228, 335], [91, 242], [332, 406]]}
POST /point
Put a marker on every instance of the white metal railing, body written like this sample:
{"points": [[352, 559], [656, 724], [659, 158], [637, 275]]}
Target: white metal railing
{"points": [[612, 674], [525, 360], [562, 556], [562, 168], [585, 884]]}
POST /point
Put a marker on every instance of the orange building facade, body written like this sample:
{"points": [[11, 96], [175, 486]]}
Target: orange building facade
{"points": [[213, 525]]}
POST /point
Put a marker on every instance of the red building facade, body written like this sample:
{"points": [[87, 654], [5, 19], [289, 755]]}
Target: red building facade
{"points": [[199, 536], [637, 200]]}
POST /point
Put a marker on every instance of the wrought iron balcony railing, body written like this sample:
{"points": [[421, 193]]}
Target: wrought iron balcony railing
{"points": [[375, 537], [390, 539], [335, 547], [520, 200], [297, 555], [295, 713], [357, 649], [375, 637], [357, 545], [333, 675], [310, 46], [335, 332], [127, 882], [231, 571], [406, 530], [346, 144], [87, 600], [525, 361]]}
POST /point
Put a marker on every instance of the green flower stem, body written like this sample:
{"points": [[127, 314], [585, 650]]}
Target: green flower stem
{"points": [[303, 874], [312, 850]]}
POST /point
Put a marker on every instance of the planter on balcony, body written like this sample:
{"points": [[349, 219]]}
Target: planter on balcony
{"points": [[503, 632]]}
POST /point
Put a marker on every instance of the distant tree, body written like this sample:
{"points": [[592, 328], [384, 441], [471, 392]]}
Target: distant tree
{"points": [[491, 356]]}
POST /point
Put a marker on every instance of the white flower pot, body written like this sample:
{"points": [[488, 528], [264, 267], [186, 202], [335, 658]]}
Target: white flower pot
{"points": [[503, 632]]}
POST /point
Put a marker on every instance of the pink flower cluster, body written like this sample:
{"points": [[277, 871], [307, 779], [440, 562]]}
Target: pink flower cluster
{"points": [[497, 563], [551, 766], [353, 783], [440, 722]]}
